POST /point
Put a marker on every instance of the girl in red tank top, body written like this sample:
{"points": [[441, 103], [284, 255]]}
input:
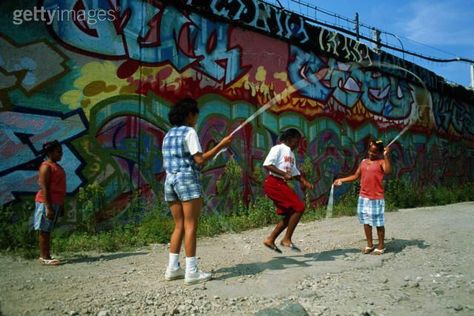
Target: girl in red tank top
{"points": [[371, 204], [49, 199]]}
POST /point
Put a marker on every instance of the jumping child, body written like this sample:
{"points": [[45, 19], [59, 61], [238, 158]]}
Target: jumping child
{"points": [[281, 165], [49, 199], [182, 160], [371, 204]]}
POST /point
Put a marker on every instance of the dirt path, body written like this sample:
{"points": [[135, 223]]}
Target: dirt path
{"points": [[427, 270]]}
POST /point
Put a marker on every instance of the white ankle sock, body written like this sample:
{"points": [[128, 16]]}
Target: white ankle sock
{"points": [[174, 261], [191, 264]]}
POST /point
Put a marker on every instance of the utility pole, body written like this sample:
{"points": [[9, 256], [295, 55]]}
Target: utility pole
{"points": [[472, 76], [376, 40], [357, 26]]}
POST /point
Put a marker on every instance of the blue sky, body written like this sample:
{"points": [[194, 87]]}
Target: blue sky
{"points": [[445, 28]]}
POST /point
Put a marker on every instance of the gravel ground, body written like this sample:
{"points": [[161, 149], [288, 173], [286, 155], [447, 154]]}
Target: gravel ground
{"points": [[427, 270]]}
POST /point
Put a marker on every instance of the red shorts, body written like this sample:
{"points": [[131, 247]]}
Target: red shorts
{"points": [[285, 199]]}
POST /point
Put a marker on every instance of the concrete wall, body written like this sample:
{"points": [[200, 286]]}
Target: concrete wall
{"points": [[103, 86]]}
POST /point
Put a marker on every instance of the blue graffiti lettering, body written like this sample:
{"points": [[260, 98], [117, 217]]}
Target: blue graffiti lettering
{"points": [[349, 83], [22, 136], [150, 34]]}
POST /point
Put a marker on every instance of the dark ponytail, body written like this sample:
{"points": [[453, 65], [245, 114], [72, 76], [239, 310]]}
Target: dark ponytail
{"points": [[378, 144]]}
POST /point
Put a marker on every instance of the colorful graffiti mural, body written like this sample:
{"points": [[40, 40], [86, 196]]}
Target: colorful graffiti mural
{"points": [[103, 88], [22, 136]]}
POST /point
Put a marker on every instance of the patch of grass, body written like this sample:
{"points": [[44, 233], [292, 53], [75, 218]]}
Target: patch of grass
{"points": [[117, 239], [157, 225], [347, 204], [230, 184], [16, 234], [90, 200], [401, 193], [314, 214], [259, 213]]}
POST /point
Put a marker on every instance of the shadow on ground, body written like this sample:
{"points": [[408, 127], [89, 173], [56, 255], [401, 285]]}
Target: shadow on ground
{"points": [[398, 245], [304, 260], [281, 262], [112, 256], [331, 255]]}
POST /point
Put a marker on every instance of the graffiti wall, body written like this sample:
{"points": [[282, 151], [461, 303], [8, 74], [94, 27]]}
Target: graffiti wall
{"points": [[101, 76]]}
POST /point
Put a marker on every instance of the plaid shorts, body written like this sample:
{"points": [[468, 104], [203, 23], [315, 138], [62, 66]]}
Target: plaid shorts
{"points": [[40, 221], [371, 212], [182, 186]]}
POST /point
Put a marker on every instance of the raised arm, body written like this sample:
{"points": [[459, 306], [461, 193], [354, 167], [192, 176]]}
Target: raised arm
{"points": [[386, 164], [202, 158]]}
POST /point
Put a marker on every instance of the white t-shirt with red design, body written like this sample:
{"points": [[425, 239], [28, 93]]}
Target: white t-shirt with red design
{"points": [[283, 158]]}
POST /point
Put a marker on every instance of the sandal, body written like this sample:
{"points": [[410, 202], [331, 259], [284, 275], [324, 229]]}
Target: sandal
{"points": [[367, 250], [49, 262], [272, 247], [378, 251], [292, 246]]}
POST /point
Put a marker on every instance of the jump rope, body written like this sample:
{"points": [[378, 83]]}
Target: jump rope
{"points": [[413, 118], [289, 90]]}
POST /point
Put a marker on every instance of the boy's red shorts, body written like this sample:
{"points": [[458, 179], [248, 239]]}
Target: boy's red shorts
{"points": [[285, 199]]}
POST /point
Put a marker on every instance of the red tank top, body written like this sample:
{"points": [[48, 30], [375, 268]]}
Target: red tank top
{"points": [[57, 184], [371, 177]]}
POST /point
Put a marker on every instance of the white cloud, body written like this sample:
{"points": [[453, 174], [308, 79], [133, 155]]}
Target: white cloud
{"points": [[437, 22]]}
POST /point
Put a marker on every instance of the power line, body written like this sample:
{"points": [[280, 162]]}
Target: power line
{"points": [[357, 26], [429, 46]]}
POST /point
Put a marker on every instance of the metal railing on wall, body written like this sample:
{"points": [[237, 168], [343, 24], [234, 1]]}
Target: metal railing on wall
{"points": [[375, 37]]}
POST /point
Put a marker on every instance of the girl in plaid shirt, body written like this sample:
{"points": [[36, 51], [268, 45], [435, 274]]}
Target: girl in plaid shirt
{"points": [[182, 160], [371, 204]]}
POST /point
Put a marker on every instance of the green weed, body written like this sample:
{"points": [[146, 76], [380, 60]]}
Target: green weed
{"points": [[16, 232], [90, 200], [157, 225], [231, 183]]}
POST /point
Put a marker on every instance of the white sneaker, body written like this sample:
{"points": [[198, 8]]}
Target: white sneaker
{"points": [[196, 277], [174, 274]]}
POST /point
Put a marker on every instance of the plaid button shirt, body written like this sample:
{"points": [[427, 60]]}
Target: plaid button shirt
{"points": [[175, 157]]}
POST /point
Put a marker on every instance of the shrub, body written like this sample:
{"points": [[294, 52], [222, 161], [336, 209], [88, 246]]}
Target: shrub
{"points": [[15, 228], [157, 225], [307, 169], [403, 194], [90, 200], [261, 212], [347, 204], [231, 183]]}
